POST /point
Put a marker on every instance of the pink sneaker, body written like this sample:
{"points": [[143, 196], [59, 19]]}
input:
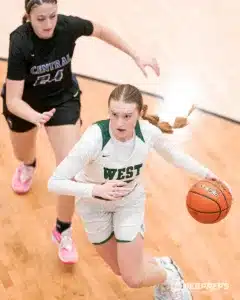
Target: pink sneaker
{"points": [[66, 249], [22, 179]]}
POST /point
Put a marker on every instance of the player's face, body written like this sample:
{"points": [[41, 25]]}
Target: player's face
{"points": [[123, 118], [43, 19]]}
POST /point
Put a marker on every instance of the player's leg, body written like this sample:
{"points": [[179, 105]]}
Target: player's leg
{"points": [[63, 132], [99, 229], [24, 147], [108, 251], [23, 138], [139, 269]]}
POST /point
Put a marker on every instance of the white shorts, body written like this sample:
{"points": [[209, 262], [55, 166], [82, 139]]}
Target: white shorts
{"points": [[122, 218]]}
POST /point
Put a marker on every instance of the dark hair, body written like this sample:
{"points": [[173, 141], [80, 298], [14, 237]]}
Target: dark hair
{"points": [[29, 4], [128, 94]]}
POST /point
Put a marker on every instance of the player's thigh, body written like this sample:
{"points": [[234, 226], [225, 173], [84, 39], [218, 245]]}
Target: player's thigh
{"points": [[108, 251], [97, 222], [63, 128], [129, 232], [62, 139], [128, 219], [23, 136], [22, 133], [98, 226], [130, 257]]}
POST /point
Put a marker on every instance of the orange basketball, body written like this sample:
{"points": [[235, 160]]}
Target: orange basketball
{"points": [[209, 201]]}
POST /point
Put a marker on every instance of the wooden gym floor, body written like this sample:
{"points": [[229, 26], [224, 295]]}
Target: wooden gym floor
{"points": [[29, 267]]}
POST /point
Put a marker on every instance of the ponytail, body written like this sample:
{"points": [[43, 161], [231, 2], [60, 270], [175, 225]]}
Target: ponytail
{"points": [[165, 127], [24, 19]]}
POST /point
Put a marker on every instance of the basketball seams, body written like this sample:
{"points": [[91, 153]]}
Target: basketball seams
{"points": [[213, 191], [206, 212], [220, 188], [193, 192]]}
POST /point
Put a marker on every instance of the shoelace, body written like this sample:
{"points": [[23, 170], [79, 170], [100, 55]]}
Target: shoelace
{"points": [[26, 173], [173, 288], [66, 240]]}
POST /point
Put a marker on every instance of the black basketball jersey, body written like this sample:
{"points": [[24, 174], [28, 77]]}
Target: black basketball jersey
{"points": [[45, 64]]}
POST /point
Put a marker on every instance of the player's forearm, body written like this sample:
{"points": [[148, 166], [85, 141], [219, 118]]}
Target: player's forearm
{"points": [[21, 109], [70, 187], [188, 163], [112, 38]]}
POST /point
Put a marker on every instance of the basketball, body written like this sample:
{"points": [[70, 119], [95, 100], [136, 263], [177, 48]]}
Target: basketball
{"points": [[209, 201]]}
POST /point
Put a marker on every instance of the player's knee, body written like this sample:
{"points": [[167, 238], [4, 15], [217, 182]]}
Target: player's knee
{"points": [[132, 280], [116, 270]]}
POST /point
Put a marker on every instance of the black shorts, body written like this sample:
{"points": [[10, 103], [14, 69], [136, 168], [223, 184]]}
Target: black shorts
{"points": [[67, 112]]}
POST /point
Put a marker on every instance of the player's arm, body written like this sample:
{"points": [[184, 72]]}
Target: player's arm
{"points": [[89, 28], [177, 157], [112, 38], [15, 104], [16, 72], [62, 180]]}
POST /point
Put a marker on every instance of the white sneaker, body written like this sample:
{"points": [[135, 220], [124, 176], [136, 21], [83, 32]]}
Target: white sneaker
{"points": [[175, 287]]}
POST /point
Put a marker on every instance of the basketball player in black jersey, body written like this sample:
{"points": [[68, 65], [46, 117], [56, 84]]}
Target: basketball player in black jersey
{"points": [[40, 90]]}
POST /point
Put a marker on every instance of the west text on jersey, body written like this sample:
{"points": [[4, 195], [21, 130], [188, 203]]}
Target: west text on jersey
{"points": [[124, 173]]}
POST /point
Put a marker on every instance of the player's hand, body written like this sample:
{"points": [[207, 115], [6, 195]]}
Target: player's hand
{"points": [[111, 190], [142, 63], [213, 177], [43, 118]]}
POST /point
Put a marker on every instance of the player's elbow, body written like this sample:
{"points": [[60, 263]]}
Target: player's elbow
{"points": [[14, 92], [11, 103]]}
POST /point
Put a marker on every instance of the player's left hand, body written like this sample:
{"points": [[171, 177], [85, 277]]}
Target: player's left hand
{"points": [[142, 63]]}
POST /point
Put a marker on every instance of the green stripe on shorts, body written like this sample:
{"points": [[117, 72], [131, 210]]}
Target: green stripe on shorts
{"points": [[103, 242]]}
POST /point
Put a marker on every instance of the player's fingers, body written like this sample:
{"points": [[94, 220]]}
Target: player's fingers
{"points": [[122, 190], [111, 197], [53, 110], [116, 195], [44, 119], [155, 67], [119, 194], [142, 67], [48, 114], [119, 183]]}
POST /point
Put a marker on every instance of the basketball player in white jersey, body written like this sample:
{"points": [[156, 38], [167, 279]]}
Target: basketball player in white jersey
{"points": [[103, 172]]}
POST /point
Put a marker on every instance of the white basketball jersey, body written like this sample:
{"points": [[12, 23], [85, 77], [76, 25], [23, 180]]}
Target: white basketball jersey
{"points": [[98, 157], [111, 162]]}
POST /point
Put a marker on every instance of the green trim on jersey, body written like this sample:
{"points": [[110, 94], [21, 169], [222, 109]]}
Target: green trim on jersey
{"points": [[138, 132], [104, 126]]}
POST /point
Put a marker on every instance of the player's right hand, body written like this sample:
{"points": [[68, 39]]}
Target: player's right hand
{"points": [[111, 190], [44, 117]]}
